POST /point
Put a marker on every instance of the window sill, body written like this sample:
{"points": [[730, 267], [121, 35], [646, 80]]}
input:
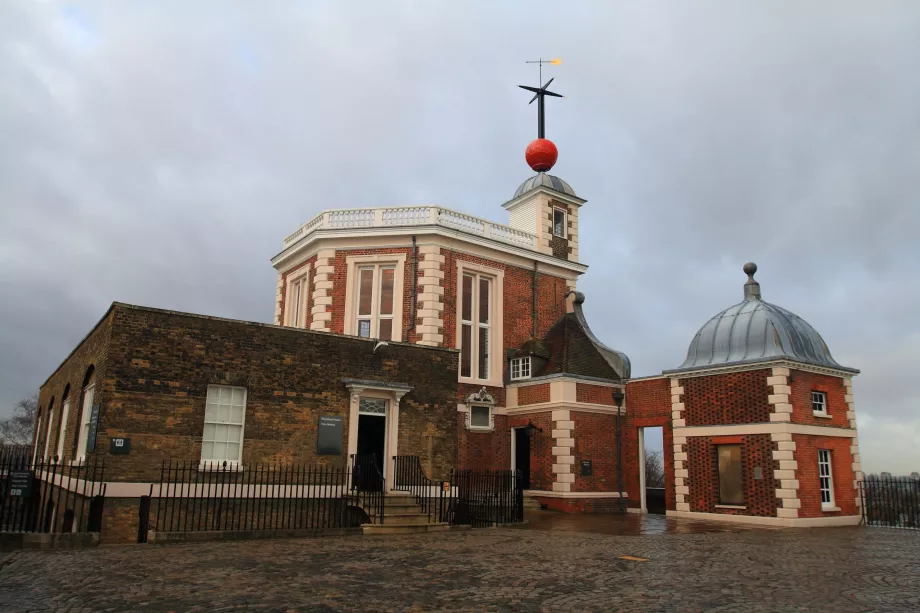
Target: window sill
{"points": [[481, 382], [737, 507], [480, 429], [822, 415], [829, 509], [231, 467]]}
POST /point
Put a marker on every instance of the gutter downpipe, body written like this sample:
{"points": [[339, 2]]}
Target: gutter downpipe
{"points": [[414, 294], [533, 307]]}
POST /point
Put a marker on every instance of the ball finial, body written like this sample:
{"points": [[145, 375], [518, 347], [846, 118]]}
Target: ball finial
{"points": [[541, 154], [749, 269]]}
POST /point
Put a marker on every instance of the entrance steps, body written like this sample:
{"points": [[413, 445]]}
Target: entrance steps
{"points": [[403, 515], [531, 503]]}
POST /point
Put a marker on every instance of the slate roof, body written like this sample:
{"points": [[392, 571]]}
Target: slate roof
{"points": [[574, 350]]}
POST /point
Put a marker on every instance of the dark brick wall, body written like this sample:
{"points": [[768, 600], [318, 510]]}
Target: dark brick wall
{"points": [[162, 362], [759, 495], [803, 384], [733, 398], [806, 456], [533, 394], [594, 394], [91, 352]]}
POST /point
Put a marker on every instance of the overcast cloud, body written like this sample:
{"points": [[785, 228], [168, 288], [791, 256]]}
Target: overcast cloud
{"points": [[157, 154]]}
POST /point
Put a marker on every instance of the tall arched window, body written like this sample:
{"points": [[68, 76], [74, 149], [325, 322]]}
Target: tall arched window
{"points": [[86, 412], [62, 431], [48, 428]]}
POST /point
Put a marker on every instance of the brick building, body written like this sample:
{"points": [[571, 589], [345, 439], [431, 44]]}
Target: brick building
{"points": [[468, 338]]}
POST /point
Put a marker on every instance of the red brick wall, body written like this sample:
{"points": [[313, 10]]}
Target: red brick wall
{"points": [[541, 452], [733, 398], [533, 394], [484, 450], [517, 296], [595, 394], [648, 404], [806, 455], [759, 495], [803, 384], [595, 440]]}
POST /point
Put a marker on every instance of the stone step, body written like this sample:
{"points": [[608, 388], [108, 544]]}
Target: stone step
{"points": [[403, 528], [405, 518]]}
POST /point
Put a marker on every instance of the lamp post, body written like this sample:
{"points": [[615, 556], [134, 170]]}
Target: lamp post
{"points": [[618, 398], [532, 430]]}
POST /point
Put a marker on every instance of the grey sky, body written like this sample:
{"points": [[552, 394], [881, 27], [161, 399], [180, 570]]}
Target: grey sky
{"points": [[157, 153]]}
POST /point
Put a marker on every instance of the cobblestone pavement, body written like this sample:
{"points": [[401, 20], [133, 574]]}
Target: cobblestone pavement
{"points": [[837, 569]]}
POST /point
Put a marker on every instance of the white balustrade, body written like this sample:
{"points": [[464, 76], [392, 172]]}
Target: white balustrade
{"points": [[413, 216]]}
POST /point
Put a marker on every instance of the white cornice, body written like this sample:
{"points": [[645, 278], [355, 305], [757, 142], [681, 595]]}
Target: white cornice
{"points": [[327, 238], [766, 364]]}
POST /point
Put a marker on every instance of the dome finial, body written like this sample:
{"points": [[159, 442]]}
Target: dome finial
{"points": [[752, 287]]}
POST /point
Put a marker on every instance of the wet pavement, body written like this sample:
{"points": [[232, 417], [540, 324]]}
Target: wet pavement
{"points": [[564, 563], [630, 524]]}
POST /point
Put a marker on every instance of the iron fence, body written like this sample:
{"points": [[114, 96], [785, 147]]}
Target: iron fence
{"points": [[50, 496], [477, 498], [191, 497], [409, 476], [892, 502], [486, 497]]}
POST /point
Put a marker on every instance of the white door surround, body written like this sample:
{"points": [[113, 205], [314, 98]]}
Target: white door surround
{"points": [[392, 392]]}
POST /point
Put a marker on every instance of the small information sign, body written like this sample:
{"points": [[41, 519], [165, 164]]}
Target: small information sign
{"points": [[21, 483], [93, 427], [586, 468], [329, 435], [119, 446]]}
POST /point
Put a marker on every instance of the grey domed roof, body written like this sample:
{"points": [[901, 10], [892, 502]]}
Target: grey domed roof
{"points": [[545, 180], [756, 331]]}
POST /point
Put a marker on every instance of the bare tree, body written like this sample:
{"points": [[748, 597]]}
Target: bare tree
{"points": [[654, 469], [18, 428]]}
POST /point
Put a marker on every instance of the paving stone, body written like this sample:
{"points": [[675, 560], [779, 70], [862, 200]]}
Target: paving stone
{"points": [[839, 569]]}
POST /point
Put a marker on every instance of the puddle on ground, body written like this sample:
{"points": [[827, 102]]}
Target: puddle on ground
{"points": [[630, 524]]}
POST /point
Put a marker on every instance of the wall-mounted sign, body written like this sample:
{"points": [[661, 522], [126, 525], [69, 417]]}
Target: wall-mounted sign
{"points": [[119, 446], [758, 473], [93, 428], [586, 468], [329, 435], [21, 483]]}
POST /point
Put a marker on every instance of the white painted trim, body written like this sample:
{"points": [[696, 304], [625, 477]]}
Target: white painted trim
{"points": [[801, 522], [301, 275], [547, 494], [545, 407], [391, 441], [353, 262], [494, 250], [784, 363], [496, 325], [518, 383], [764, 428]]}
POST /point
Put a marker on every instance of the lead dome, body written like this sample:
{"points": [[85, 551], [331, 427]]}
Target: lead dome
{"points": [[756, 331]]}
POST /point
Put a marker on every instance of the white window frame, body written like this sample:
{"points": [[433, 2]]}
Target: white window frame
{"points": [[819, 399], [62, 431], [520, 368], [826, 480], [476, 373], [48, 433], [297, 298], [496, 340], [38, 436], [565, 215], [375, 316], [211, 463], [86, 417], [469, 417], [354, 263]]}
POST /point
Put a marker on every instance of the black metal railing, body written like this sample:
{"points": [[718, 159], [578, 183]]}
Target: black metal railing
{"points": [[484, 498], [15, 454], [892, 502], [366, 474], [409, 476], [52, 496], [220, 497]]}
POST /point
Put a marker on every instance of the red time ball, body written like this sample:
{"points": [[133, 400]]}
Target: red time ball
{"points": [[541, 154]]}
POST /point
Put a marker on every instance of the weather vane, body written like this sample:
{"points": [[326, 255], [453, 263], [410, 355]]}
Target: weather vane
{"points": [[541, 154], [539, 93]]}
